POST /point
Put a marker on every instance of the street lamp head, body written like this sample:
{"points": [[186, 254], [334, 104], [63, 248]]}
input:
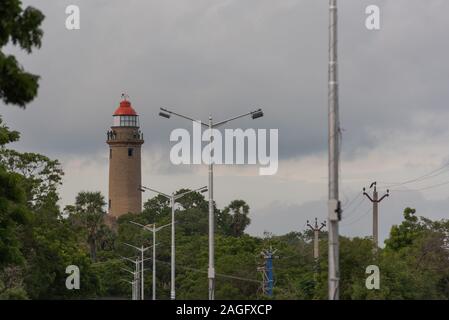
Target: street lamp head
{"points": [[141, 189], [164, 115], [204, 190], [257, 114]]}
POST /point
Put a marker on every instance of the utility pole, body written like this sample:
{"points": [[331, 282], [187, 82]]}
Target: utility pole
{"points": [[316, 234], [334, 208], [375, 200], [136, 280], [267, 271]]}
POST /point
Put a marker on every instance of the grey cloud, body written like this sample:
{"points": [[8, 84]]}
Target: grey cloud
{"points": [[227, 56]]}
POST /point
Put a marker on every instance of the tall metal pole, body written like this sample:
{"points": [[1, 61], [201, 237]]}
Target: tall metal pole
{"points": [[334, 207], [141, 275], [154, 261], [137, 279], [254, 115], [133, 292], [173, 265], [211, 271]]}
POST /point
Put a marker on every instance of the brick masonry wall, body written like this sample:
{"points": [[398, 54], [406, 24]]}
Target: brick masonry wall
{"points": [[125, 175]]}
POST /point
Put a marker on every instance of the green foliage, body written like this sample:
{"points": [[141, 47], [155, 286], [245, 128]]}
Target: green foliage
{"points": [[20, 27], [88, 216], [42, 175], [13, 214], [234, 219]]}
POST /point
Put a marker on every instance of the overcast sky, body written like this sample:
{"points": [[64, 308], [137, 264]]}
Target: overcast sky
{"points": [[226, 57]]}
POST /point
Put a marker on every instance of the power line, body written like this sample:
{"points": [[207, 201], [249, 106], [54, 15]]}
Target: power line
{"points": [[424, 188], [428, 175], [347, 204], [354, 209], [356, 220]]}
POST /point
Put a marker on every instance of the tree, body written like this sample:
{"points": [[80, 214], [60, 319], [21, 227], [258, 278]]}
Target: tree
{"points": [[22, 28], [13, 211], [234, 218], [88, 213], [42, 175], [406, 233]]}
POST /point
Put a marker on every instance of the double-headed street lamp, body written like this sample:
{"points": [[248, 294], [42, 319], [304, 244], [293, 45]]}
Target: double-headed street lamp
{"points": [[152, 228], [135, 282], [173, 197], [165, 113], [141, 250], [136, 274]]}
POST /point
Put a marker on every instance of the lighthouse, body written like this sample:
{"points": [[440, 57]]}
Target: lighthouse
{"points": [[125, 174]]}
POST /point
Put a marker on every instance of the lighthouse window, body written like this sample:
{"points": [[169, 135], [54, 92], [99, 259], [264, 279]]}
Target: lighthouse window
{"points": [[130, 152], [128, 121]]}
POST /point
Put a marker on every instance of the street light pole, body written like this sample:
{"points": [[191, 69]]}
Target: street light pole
{"points": [[211, 269], [165, 113], [173, 197], [153, 229], [173, 260], [334, 214], [141, 250], [135, 287], [154, 261], [141, 274]]}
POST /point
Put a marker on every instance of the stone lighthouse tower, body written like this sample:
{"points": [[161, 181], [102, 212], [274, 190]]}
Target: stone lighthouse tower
{"points": [[125, 176]]}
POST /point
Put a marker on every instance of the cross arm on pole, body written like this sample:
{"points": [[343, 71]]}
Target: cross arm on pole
{"points": [[124, 269], [384, 196], [165, 225], [310, 226], [130, 245], [181, 116], [130, 282], [129, 259], [323, 224], [255, 112], [137, 248], [156, 191], [367, 195], [177, 196]]}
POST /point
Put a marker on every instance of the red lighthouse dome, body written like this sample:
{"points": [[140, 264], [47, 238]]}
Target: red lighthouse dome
{"points": [[125, 115], [125, 109]]}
